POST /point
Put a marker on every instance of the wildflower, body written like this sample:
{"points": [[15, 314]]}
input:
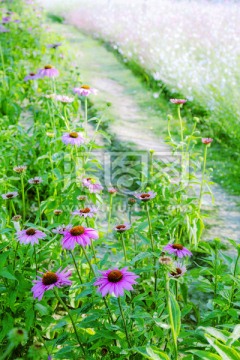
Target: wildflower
{"points": [[78, 234], [64, 99], [49, 280], [112, 191], [17, 336], [31, 76], [16, 218], [122, 227], [20, 169], [178, 101], [30, 236], [73, 138], [131, 201], [50, 96], [145, 196], [61, 229], [92, 186], [6, 19], [81, 198], [165, 260], [10, 195], [48, 71], [3, 29], [86, 212], [178, 250], [207, 141], [36, 180], [54, 46], [57, 212], [115, 281], [178, 271], [85, 90]]}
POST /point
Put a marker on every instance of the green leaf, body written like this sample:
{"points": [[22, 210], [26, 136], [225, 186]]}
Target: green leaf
{"points": [[226, 352], [43, 310], [235, 335], [205, 355], [215, 333], [6, 274], [151, 353], [176, 314]]}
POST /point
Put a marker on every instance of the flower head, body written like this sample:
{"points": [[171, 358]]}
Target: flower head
{"points": [[17, 336], [30, 236], [16, 218], [57, 212], [64, 99], [178, 250], [85, 212], [61, 229], [54, 46], [31, 76], [207, 141], [122, 227], [48, 71], [92, 185], [49, 280], [145, 196], [82, 198], [115, 281], [165, 260], [131, 201], [10, 195], [36, 180], [73, 138], [20, 169], [112, 190], [85, 90], [78, 234], [178, 101], [178, 271]]}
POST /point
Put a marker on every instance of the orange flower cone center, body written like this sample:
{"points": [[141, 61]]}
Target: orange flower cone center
{"points": [[9, 196], [47, 67], [86, 87], [115, 276], [49, 278], [31, 231], [32, 74], [177, 272], [121, 227], [177, 246], [73, 134], [145, 196], [77, 230], [85, 210]]}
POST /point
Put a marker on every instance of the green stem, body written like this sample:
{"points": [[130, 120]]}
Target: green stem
{"points": [[86, 112], [203, 174], [181, 123], [89, 262], [123, 246], [70, 316], [234, 274], [23, 199], [7, 352], [13, 208], [170, 314], [39, 204], [110, 211], [124, 322], [152, 245], [35, 256], [75, 263], [66, 117], [92, 245]]}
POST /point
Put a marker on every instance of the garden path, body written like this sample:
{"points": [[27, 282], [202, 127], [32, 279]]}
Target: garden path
{"points": [[135, 121]]}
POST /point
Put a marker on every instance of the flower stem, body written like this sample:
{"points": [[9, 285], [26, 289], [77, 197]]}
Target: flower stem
{"points": [[35, 256], [86, 112], [70, 316], [124, 322], [39, 204], [234, 274], [180, 120], [89, 262], [152, 245], [23, 199], [92, 245], [110, 211], [13, 208], [75, 263], [203, 174], [170, 314], [124, 247]]}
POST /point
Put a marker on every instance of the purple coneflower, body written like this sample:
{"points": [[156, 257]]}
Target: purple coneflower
{"points": [[207, 141], [112, 191], [10, 195], [31, 76], [82, 198], [54, 46], [30, 236], [73, 138], [6, 19], [115, 281], [178, 250], [165, 260], [64, 99], [145, 196], [48, 71], [3, 29], [49, 280], [122, 227], [61, 229], [36, 180], [20, 168], [92, 186], [86, 212], [178, 271], [131, 201], [85, 90], [78, 234], [178, 101]]}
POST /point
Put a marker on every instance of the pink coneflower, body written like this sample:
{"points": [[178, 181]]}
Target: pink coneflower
{"points": [[145, 196], [48, 71], [122, 227], [30, 236], [31, 76], [178, 101], [10, 195], [49, 280], [86, 212], [85, 90], [178, 250], [61, 229], [20, 169], [36, 180], [112, 191], [54, 46], [92, 185], [207, 141], [64, 99], [73, 138], [115, 281], [178, 271], [6, 19], [78, 234]]}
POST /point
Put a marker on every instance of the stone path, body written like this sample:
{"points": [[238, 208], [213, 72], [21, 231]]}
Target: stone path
{"points": [[136, 121]]}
